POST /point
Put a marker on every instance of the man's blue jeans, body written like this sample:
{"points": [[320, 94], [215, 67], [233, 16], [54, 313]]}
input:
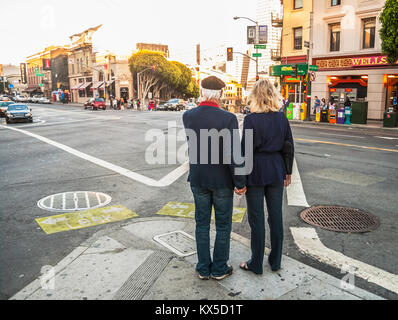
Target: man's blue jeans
{"points": [[255, 208], [222, 199]]}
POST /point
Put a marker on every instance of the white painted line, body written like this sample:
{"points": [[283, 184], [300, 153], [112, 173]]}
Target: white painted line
{"points": [[309, 243], [387, 138], [295, 192], [165, 182], [339, 135]]}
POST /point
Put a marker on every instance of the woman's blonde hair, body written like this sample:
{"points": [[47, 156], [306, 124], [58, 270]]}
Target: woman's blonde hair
{"points": [[264, 97]]}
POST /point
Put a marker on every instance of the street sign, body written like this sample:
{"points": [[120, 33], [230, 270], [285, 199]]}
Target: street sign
{"points": [[39, 75], [257, 55], [260, 46], [41, 85], [313, 68], [312, 76], [251, 34], [262, 34]]}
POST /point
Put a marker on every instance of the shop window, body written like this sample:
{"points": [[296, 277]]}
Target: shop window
{"points": [[82, 93], [334, 37], [298, 38], [89, 93], [335, 3], [298, 4], [369, 33]]}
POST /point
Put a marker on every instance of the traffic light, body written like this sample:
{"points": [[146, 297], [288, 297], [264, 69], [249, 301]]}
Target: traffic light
{"points": [[230, 54]]}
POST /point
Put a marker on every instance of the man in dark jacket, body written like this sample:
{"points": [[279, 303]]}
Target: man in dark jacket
{"points": [[213, 176]]}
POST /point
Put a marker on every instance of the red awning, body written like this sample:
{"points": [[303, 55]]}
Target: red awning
{"points": [[97, 85], [85, 85], [77, 86]]}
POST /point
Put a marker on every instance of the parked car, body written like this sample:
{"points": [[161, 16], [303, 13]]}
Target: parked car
{"points": [[18, 112], [4, 106], [246, 110], [161, 106], [44, 100], [35, 99], [175, 105], [95, 104], [191, 105], [21, 98]]}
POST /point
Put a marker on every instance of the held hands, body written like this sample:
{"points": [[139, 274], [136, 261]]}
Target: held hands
{"points": [[240, 192], [288, 181]]}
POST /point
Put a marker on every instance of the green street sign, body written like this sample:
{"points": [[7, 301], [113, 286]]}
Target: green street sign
{"points": [[302, 69], [260, 46], [41, 85], [313, 68], [257, 55], [39, 75]]}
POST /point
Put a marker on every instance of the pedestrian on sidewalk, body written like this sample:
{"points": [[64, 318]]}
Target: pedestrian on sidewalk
{"points": [[272, 169], [317, 104], [138, 104], [122, 104], [115, 103], [212, 184], [323, 104], [347, 102]]}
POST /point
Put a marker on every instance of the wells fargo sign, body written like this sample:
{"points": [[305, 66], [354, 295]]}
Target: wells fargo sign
{"points": [[369, 61], [351, 62]]}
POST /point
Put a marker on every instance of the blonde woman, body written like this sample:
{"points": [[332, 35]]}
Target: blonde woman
{"points": [[272, 171]]}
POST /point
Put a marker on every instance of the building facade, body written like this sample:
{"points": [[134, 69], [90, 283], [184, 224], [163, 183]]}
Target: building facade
{"points": [[81, 62], [347, 50], [14, 78], [115, 77]]}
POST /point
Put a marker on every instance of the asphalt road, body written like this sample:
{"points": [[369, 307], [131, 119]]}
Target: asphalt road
{"points": [[31, 169]]}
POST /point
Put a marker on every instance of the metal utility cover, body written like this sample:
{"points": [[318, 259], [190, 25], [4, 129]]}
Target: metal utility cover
{"points": [[74, 201], [179, 242], [340, 219]]}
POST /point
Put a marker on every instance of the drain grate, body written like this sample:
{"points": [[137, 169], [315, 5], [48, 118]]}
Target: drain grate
{"points": [[340, 219]]}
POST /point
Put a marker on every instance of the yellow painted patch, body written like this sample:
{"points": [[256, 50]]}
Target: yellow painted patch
{"points": [[84, 219], [187, 210]]}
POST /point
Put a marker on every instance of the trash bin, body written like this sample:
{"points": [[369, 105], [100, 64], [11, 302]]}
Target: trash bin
{"points": [[340, 116], [324, 115], [390, 119], [332, 116], [359, 112], [289, 111]]}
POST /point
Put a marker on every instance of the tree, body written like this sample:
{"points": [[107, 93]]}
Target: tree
{"points": [[389, 30], [170, 77]]}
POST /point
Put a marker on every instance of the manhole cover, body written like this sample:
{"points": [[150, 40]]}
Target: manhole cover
{"points": [[340, 219], [74, 201], [178, 242]]}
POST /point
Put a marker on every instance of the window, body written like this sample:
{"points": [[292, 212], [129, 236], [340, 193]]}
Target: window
{"points": [[335, 3], [298, 4], [73, 69], [334, 37], [369, 33], [298, 38]]}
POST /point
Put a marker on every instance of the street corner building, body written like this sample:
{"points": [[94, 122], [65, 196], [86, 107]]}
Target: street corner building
{"points": [[347, 50]]}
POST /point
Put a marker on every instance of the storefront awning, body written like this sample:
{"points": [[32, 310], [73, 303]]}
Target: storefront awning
{"points": [[97, 85], [76, 87], [85, 85]]}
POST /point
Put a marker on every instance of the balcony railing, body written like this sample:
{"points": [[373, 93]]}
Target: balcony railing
{"points": [[277, 21], [275, 55]]}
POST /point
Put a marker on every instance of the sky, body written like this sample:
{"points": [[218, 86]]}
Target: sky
{"points": [[30, 26]]}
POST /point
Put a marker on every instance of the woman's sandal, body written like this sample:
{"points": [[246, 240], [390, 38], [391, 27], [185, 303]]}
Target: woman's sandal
{"points": [[244, 266]]}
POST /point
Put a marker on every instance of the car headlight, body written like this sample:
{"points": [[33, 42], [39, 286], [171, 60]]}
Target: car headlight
{"points": [[10, 115]]}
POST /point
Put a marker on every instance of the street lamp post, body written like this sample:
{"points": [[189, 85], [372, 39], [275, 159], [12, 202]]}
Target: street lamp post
{"points": [[256, 41]]}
